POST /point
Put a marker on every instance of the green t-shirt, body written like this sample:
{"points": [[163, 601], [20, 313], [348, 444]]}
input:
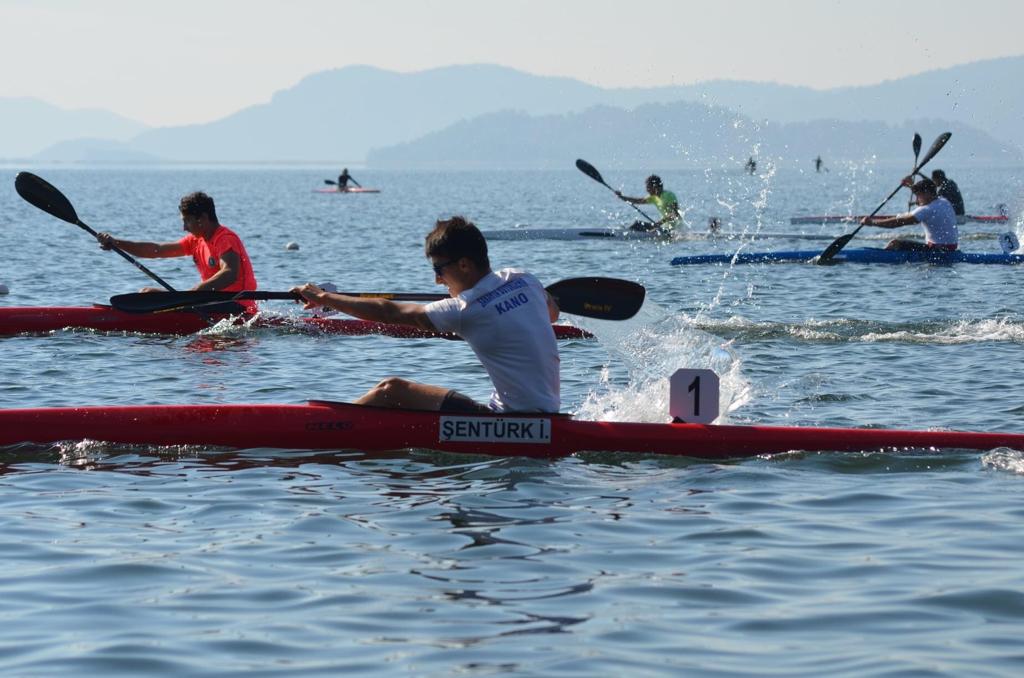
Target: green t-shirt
{"points": [[666, 204]]}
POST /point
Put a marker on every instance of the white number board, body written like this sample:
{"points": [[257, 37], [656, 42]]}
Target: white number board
{"points": [[693, 396]]}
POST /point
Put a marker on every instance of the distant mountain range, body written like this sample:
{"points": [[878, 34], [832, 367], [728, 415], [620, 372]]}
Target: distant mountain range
{"points": [[30, 125], [682, 135], [979, 94], [340, 115]]}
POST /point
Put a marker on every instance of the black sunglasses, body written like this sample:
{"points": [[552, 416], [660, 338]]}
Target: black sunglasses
{"points": [[439, 268]]}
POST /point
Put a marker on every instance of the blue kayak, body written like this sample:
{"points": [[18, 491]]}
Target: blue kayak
{"points": [[864, 255]]}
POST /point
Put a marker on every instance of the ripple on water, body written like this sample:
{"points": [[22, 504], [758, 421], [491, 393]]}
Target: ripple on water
{"points": [[192, 561]]}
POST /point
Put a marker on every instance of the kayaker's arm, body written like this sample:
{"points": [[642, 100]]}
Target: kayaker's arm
{"points": [[891, 222], [377, 310], [553, 309], [634, 201], [230, 264], [149, 250]]}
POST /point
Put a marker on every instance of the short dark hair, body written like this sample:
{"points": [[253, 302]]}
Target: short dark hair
{"points": [[456, 238], [655, 180], [195, 204], [938, 175], [924, 186]]}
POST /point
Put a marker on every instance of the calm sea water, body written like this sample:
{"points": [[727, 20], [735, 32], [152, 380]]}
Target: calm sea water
{"points": [[191, 561]]}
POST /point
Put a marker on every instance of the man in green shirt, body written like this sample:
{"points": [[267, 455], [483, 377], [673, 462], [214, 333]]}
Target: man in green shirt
{"points": [[665, 201]]}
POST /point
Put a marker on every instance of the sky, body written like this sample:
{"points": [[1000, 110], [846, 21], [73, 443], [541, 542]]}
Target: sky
{"points": [[191, 61]]}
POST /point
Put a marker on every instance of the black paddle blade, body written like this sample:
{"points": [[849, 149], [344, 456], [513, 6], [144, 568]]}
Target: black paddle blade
{"points": [[834, 249], [601, 298], [589, 170], [155, 302], [45, 196], [330, 182], [917, 145], [933, 151]]}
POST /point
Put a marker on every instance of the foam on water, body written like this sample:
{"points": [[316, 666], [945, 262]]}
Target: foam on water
{"points": [[1009, 461], [967, 331], [230, 326], [963, 332], [652, 346]]}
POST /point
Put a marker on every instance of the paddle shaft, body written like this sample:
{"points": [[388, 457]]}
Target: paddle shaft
{"points": [[603, 298], [261, 295], [877, 210], [389, 296], [592, 172], [163, 283], [642, 213], [144, 302]]}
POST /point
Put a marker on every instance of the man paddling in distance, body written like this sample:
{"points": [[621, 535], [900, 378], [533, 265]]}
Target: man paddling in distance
{"points": [[665, 201], [217, 251], [344, 178], [932, 211], [504, 316], [948, 189]]}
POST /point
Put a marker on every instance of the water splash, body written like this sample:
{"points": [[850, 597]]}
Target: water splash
{"points": [[652, 346], [1008, 461]]}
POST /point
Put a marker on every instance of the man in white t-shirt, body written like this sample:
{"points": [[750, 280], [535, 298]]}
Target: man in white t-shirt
{"points": [[933, 212], [504, 316]]}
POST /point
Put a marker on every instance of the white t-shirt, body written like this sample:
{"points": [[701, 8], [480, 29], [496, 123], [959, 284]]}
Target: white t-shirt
{"points": [[939, 221], [505, 320]]}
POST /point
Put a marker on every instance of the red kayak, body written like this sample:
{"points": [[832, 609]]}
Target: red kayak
{"points": [[328, 425], [42, 319]]}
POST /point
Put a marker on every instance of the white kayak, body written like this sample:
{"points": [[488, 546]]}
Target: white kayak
{"points": [[573, 234]]}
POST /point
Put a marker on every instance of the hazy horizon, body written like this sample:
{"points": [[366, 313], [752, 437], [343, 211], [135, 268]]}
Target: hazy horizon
{"points": [[194, 62]]}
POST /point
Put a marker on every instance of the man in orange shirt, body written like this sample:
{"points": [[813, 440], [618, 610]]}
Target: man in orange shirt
{"points": [[218, 253]]}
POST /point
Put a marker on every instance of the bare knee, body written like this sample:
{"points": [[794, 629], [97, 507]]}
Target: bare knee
{"points": [[402, 393], [390, 390]]}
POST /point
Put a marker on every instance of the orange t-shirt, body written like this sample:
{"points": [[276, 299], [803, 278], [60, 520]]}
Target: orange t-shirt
{"points": [[207, 253]]}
